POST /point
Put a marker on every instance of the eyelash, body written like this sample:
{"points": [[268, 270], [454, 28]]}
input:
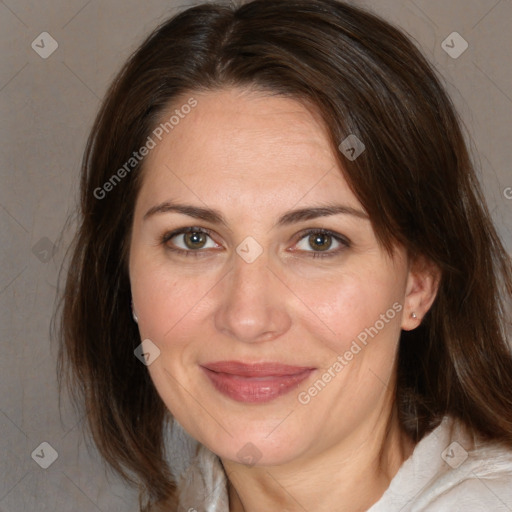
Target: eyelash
{"points": [[192, 229], [345, 243]]}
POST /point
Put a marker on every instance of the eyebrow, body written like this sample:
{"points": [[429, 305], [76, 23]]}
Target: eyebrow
{"points": [[291, 217], [207, 214]]}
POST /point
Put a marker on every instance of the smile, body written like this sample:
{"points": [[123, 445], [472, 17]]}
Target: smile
{"points": [[254, 383]]}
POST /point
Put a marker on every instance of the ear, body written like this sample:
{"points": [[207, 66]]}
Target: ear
{"points": [[422, 285]]}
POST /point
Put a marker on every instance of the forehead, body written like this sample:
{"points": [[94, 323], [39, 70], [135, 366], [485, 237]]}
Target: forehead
{"points": [[243, 142]]}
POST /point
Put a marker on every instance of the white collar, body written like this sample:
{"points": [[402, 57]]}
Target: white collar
{"points": [[427, 475]]}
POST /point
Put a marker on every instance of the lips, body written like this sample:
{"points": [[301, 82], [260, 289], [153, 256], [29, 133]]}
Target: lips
{"points": [[254, 383]]}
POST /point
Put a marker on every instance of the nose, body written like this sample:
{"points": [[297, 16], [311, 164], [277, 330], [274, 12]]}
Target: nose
{"points": [[250, 303]]}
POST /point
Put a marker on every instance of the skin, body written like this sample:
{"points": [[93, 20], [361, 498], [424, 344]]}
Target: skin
{"points": [[254, 157]]}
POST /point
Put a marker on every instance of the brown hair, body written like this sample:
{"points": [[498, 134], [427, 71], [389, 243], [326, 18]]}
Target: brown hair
{"points": [[415, 179]]}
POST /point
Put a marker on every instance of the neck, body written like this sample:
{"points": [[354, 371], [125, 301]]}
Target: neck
{"points": [[350, 476]]}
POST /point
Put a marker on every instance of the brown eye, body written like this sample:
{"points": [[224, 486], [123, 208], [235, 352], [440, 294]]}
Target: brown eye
{"points": [[195, 239], [189, 240], [320, 241]]}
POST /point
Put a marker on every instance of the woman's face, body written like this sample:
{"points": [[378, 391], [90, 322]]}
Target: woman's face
{"points": [[256, 274]]}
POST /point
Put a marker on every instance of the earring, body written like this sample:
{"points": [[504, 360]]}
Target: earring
{"points": [[135, 317], [413, 315]]}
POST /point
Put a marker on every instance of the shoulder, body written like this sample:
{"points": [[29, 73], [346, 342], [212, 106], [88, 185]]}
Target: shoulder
{"points": [[483, 482], [450, 470]]}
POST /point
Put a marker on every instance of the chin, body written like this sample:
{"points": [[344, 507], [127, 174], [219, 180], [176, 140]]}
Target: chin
{"points": [[254, 446]]}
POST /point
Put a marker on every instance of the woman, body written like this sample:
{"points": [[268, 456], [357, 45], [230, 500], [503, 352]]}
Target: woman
{"points": [[286, 292]]}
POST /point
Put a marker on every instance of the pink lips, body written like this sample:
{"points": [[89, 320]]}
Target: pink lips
{"points": [[254, 383]]}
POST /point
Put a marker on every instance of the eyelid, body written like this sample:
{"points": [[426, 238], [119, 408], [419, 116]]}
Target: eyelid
{"points": [[342, 240], [187, 229], [167, 236]]}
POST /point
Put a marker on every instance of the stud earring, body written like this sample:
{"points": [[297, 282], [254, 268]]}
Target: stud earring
{"points": [[413, 315], [135, 317]]}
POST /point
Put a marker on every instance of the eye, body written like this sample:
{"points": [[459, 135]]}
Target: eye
{"points": [[322, 243], [188, 240]]}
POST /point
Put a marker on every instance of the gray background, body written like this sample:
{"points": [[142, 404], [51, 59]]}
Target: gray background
{"points": [[48, 105]]}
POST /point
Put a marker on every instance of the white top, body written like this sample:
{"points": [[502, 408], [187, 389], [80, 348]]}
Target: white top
{"points": [[448, 471]]}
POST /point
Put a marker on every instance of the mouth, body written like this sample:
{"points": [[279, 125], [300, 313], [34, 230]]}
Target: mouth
{"points": [[255, 383]]}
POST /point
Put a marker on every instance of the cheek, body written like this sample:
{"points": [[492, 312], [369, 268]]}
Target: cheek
{"points": [[168, 305], [169, 309], [163, 301], [351, 306]]}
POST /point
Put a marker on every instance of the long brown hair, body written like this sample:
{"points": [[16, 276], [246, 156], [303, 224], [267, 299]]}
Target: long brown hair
{"points": [[415, 179]]}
